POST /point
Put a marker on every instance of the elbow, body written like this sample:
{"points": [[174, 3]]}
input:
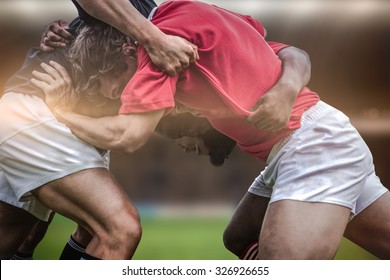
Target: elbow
{"points": [[305, 60], [130, 148], [305, 55], [128, 144], [296, 55], [302, 62]]}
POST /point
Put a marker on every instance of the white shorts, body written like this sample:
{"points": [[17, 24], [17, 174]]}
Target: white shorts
{"points": [[325, 160], [35, 149]]}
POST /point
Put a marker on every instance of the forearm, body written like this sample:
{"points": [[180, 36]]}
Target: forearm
{"points": [[96, 133], [169, 53], [273, 110], [122, 133], [122, 15]]}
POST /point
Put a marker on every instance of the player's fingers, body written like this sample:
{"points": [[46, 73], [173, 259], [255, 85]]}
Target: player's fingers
{"points": [[172, 70], [197, 52], [263, 126], [193, 54], [258, 120], [195, 48], [249, 119], [60, 70], [45, 48], [270, 128], [255, 117], [63, 23], [54, 37], [40, 84], [59, 28], [51, 71], [184, 64], [53, 44], [44, 77], [178, 69], [65, 34]]}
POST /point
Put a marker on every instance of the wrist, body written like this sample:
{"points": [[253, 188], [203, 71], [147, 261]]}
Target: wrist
{"points": [[59, 112], [290, 88], [152, 39]]}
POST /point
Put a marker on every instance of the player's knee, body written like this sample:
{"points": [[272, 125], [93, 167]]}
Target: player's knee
{"points": [[126, 228], [132, 230], [234, 241], [228, 238]]}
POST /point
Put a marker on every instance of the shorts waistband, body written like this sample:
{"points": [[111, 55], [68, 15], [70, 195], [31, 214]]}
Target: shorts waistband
{"points": [[308, 117], [315, 112]]}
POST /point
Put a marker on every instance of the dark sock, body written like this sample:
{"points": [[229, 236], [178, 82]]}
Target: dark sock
{"points": [[21, 256], [72, 250], [85, 256]]}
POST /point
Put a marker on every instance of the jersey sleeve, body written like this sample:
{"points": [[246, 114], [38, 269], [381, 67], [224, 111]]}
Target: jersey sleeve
{"points": [[149, 89], [276, 46]]}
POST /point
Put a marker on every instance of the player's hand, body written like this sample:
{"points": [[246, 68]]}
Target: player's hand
{"points": [[173, 54], [272, 112], [55, 35], [57, 85]]}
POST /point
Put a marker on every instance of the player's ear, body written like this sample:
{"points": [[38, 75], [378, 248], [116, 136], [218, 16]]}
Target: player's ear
{"points": [[129, 50]]}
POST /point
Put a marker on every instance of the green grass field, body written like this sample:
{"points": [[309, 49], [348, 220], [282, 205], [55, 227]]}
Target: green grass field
{"points": [[168, 238]]}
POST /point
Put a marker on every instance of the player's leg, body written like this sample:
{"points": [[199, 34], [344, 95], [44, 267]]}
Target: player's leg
{"points": [[94, 199], [15, 222], [370, 228], [241, 236], [77, 243], [41, 155], [38, 232], [317, 175], [15, 226], [302, 230]]}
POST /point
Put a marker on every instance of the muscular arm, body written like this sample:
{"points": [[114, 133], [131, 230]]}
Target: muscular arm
{"points": [[123, 16], [122, 133], [169, 53], [273, 110]]}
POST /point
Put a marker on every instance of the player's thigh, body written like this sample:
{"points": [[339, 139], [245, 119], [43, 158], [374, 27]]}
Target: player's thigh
{"points": [[92, 198], [302, 230], [370, 229], [15, 226]]}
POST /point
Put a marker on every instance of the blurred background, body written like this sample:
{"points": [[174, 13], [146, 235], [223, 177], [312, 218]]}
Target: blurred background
{"points": [[184, 201]]}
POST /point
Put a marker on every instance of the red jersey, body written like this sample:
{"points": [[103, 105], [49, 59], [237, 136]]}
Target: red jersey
{"points": [[236, 67]]}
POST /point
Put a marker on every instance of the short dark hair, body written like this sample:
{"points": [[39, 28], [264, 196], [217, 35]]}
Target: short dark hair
{"points": [[220, 146]]}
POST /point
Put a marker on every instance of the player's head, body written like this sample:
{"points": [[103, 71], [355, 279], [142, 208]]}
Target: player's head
{"points": [[103, 60], [196, 135]]}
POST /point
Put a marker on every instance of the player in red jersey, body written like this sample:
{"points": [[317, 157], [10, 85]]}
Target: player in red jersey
{"points": [[20, 82], [319, 172]]}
